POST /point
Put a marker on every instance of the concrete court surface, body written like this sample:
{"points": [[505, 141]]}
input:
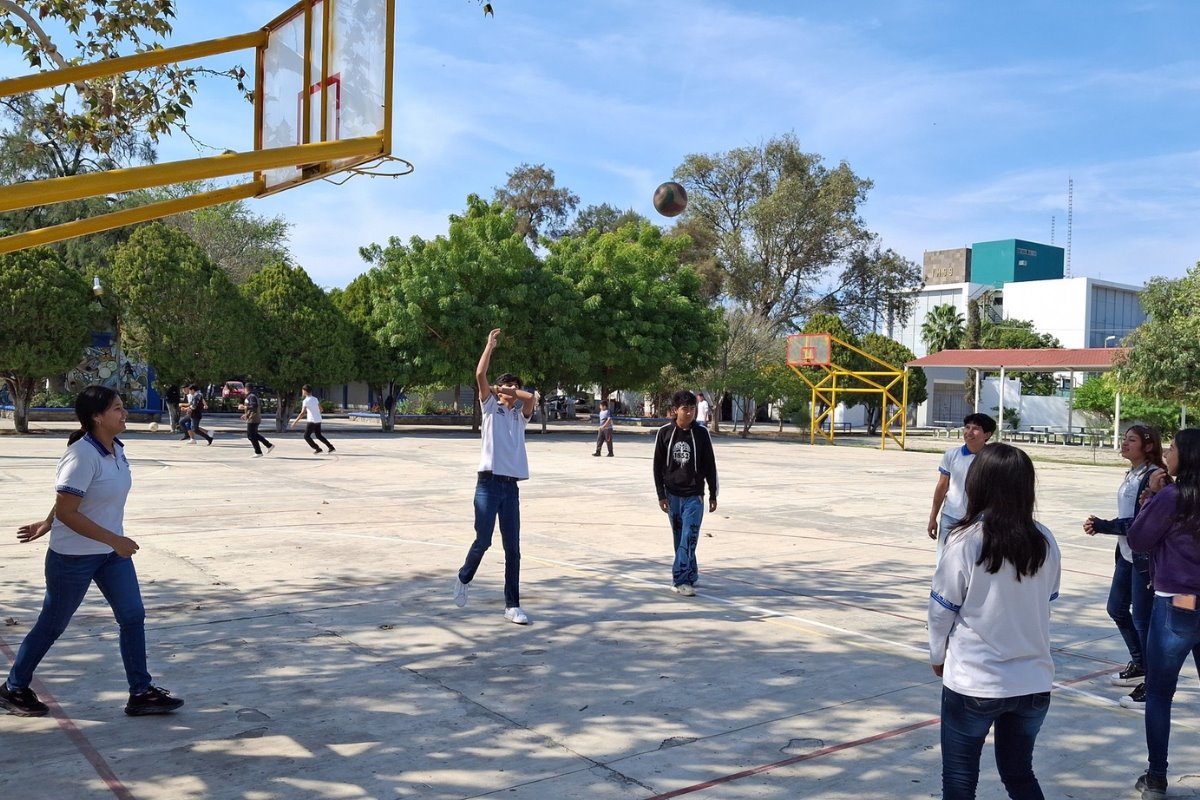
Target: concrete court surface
{"points": [[302, 607]]}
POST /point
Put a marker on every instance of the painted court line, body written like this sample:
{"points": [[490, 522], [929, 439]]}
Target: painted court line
{"points": [[77, 737]]}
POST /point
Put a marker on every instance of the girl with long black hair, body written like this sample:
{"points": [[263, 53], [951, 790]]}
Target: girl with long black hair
{"points": [[88, 544], [989, 626], [1169, 529]]}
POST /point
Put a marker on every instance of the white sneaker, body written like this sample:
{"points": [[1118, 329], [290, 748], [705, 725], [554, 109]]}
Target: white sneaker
{"points": [[460, 593], [257, 455], [515, 614], [684, 589], [191, 441], [270, 448]]}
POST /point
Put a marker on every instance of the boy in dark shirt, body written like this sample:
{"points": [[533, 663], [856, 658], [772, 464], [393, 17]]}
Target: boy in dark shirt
{"points": [[683, 463]]}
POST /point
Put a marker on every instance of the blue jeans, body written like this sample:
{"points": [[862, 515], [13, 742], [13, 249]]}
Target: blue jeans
{"points": [[965, 725], [1131, 590], [686, 514], [67, 581], [946, 524], [495, 498], [1174, 632]]}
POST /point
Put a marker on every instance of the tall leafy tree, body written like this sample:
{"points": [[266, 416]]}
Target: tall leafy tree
{"points": [[542, 208], [1098, 394], [891, 352], [603, 218], [177, 310], [782, 221], [44, 323], [942, 329], [642, 311], [1164, 352], [1019, 334], [301, 335], [874, 291]]}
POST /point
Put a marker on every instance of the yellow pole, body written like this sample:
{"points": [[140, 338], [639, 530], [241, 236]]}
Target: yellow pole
{"points": [[94, 184], [128, 216], [124, 64]]}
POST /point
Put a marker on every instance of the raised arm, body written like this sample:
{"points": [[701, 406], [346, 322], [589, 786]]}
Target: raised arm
{"points": [[482, 386]]}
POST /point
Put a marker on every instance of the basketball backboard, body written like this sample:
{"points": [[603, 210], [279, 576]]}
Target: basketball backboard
{"points": [[809, 350]]}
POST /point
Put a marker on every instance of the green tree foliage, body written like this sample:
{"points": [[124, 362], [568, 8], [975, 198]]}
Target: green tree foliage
{"points": [[781, 221], [1164, 352], [1020, 334], [1098, 395], [381, 365], [942, 329], [604, 218], [874, 290], [44, 323], [300, 336], [891, 352], [640, 310], [542, 208], [176, 310], [747, 345]]}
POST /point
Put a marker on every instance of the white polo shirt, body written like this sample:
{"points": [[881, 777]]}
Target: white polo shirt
{"points": [[502, 448], [102, 479], [313, 406], [955, 463]]}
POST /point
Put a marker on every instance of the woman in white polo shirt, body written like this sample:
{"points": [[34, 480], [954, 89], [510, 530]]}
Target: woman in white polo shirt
{"points": [[88, 544], [989, 626]]}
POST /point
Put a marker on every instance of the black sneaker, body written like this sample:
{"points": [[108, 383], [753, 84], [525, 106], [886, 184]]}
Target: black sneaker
{"points": [[152, 701], [1132, 675], [21, 702], [1151, 787], [1135, 699]]}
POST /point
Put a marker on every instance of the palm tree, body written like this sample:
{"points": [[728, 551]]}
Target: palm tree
{"points": [[942, 329]]}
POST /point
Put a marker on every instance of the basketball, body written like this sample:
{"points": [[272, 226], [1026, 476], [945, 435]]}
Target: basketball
{"points": [[670, 199], [154, 427]]}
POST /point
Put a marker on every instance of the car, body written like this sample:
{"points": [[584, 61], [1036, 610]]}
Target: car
{"points": [[233, 389]]}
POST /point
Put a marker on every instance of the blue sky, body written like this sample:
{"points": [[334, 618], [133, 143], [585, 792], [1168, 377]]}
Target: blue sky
{"points": [[968, 117]]}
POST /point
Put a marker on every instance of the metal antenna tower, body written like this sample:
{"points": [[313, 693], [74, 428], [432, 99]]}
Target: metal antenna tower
{"points": [[1070, 218], [1051, 229]]}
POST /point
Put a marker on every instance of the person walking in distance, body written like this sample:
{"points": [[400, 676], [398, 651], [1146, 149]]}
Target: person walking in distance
{"points": [[506, 411], [683, 463], [605, 433], [310, 406], [702, 410], [949, 496], [196, 406], [252, 413], [989, 626], [88, 545]]}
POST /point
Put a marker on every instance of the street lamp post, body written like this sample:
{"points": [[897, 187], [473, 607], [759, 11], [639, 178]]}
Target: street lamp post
{"points": [[1108, 339]]}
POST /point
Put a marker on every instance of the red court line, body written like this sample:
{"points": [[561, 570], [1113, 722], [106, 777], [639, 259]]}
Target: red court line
{"points": [[826, 751], [77, 737]]}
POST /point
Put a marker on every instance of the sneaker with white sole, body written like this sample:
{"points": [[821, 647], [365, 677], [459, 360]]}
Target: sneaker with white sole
{"points": [[460, 593], [1151, 787], [515, 614], [270, 448], [684, 589], [1135, 699], [1132, 675]]}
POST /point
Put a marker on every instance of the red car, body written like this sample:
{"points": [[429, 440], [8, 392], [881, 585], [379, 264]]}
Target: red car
{"points": [[233, 389]]}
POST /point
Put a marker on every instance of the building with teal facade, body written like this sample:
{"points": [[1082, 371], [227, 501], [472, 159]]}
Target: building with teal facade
{"points": [[1014, 261]]}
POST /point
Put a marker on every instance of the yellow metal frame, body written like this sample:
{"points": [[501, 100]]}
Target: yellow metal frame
{"points": [[313, 158], [882, 382]]}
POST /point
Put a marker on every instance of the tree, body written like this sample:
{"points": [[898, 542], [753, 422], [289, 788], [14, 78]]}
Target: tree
{"points": [[781, 220], [177, 310], [101, 117], [747, 345], [1163, 359], [891, 352], [641, 310], [874, 291], [1020, 334], [542, 208], [942, 328], [300, 335], [604, 218], [382, 366], [1098, 394], [44, 323]]}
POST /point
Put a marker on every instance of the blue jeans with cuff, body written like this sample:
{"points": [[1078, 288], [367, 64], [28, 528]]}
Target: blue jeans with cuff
{"points": [[67, 581], [965, 724], [1174, 632]]}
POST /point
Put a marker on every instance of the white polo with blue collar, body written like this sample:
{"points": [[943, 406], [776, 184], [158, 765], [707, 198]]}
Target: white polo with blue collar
{"points": [[88, 470], [955, 463]]}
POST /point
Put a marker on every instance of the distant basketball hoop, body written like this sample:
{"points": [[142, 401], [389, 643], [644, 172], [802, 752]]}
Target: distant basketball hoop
{"points": [[809, 350]]}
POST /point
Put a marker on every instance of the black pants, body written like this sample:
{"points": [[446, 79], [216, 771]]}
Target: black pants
{"points": [[255, 437], [197, 429], [604, 435], [313, 429]]}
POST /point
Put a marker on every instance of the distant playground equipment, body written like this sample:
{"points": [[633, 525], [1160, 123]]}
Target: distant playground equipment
{"points": [[814, 351], [322, 108]]}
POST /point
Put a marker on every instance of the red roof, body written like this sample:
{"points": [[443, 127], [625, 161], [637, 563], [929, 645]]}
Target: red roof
{"points": [[1090, 359]]}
